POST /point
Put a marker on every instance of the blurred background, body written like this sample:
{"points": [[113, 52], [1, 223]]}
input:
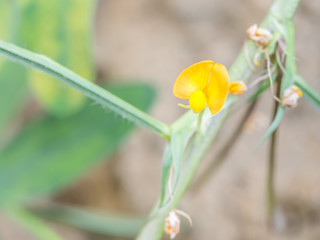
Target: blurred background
{"points": [[54, 142]]}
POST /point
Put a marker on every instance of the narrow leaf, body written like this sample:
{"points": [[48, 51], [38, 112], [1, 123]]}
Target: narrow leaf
{"points": [[274, 125], [93, 91]]}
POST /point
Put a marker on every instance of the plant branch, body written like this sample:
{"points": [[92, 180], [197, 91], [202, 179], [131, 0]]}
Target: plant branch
{"points": [[92, 90], [153, 228]]}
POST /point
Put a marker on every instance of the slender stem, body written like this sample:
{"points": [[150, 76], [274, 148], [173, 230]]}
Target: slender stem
{"points": [[271, 162], [90, 89]]}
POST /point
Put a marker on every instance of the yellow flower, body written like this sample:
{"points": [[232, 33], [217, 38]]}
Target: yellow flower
{"points": [[204, 84], [238, 87]]}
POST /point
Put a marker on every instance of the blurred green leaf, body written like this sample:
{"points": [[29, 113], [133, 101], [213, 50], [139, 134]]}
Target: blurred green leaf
{"points": [[95, 221], [13, 86], [33, 224], [4, 19], [50, 153], [61, 30], [13, 90]]}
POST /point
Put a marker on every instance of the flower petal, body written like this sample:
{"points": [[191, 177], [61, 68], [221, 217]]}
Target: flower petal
{"points": [[197, 101], [193, 78], [217, 89]]}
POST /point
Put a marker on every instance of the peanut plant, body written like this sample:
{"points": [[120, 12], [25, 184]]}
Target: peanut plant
{"points": [[190, 136]]}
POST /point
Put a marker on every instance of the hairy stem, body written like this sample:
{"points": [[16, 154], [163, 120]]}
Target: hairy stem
{"points": [[90, 89]]}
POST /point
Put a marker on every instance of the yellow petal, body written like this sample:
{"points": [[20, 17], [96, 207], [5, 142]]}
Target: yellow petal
{"points": [[297, 90], [217, 89], [193, 78], [197, 101]]}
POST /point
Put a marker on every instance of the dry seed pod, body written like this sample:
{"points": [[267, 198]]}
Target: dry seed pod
{"points": [[260, 36], [172, 225], [291, 96]]}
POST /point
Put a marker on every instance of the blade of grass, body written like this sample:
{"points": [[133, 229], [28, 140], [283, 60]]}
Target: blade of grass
{"points": [[90, 89], [274, 125]]}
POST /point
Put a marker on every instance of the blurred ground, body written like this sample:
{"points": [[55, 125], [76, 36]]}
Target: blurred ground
{"points": [[155, 40]]}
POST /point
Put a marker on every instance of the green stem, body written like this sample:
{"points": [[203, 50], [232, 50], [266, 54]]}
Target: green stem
{"points": [[153, 228], [200, 120], [90, 89], [271, 161]]}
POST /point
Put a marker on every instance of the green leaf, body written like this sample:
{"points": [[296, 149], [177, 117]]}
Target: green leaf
{"points": [[311, 95], [33, 224], [13, 86], [95, 221], [61, 30], [274, 125], [13, 90], [5, 11], [93, 91], [50, 153]]}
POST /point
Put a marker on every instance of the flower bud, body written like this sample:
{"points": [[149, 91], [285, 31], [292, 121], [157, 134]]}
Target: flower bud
{"points": [[172, 225], [291, 96], [260, 36], [237, 87]]}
